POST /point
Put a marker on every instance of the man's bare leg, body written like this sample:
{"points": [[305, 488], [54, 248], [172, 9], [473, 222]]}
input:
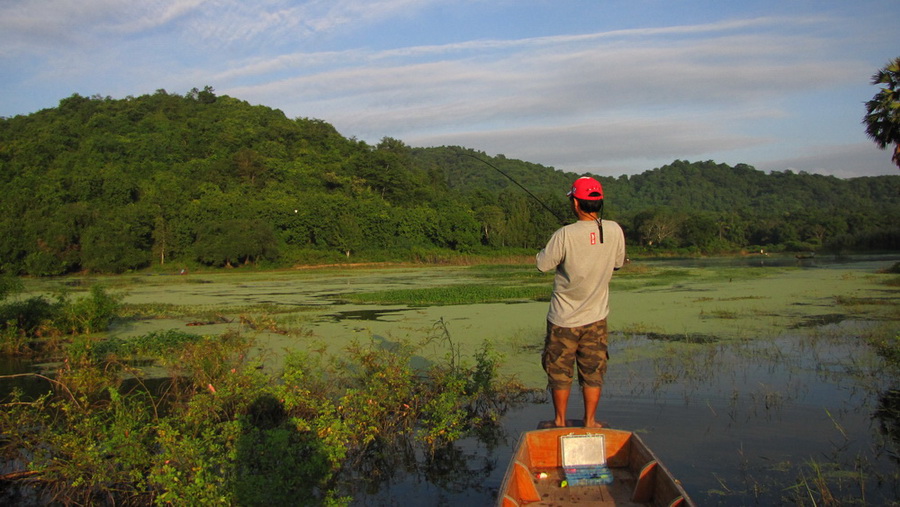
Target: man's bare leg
{"points": [[560, 402], [591, 400]]}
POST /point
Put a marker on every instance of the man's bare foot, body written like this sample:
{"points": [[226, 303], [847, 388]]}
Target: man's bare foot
{"points": [[594, 424]]}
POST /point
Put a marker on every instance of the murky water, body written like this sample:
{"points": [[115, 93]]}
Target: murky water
{"points": [[737, 382]]}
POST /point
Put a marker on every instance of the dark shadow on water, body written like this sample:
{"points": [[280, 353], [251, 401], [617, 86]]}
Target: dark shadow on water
{"points": [[375, 314]]}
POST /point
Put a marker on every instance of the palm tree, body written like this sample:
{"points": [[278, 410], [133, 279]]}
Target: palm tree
{"points": [[882, 119]]}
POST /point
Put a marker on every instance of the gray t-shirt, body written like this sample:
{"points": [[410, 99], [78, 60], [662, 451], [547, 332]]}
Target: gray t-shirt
{"points": [[584, 267]]}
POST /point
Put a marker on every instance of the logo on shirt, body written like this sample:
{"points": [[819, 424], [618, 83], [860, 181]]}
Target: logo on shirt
{"points": [[593, 238]]}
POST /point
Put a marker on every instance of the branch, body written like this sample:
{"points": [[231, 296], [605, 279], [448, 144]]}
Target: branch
{"points": [[15, 476]]}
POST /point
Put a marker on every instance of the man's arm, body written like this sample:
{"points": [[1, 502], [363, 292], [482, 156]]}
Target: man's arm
{"points": [[552, 254]]}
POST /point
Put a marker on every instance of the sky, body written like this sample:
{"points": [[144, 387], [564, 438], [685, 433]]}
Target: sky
{"points": [[599, 87]]}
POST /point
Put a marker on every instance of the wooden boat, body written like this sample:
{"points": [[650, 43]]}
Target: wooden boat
{"points": [[535, 475]]}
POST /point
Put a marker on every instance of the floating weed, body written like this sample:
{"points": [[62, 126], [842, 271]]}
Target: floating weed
{"points": [[525, 340], [505, 272], [634, 278], [452, 295], [741, 298], [294, 323], [820, 320], [718, 314], [200, 313], [854, 301]]}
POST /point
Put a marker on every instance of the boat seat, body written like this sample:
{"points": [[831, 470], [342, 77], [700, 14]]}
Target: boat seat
{"points": [[643, 488], [524, 483]]}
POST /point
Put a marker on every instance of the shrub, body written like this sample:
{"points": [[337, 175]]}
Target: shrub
{"points": [[92, 313]]}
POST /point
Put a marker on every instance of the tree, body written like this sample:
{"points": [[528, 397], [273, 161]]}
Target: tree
{"points": [[116, 243], [882, 119], [231, 241], [658, 225]]}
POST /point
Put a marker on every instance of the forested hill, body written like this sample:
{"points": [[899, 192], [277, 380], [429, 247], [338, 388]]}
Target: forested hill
{"points": [[109, 185]]}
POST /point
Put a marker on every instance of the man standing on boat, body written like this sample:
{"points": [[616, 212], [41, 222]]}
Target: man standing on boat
{"points": [[584, 255]]}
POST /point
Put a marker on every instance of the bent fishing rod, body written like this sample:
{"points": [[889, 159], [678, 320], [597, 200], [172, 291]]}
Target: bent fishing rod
{"points": [[492, 166]]}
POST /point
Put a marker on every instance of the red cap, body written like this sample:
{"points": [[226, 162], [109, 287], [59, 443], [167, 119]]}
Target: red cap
{"points": [[586, 188]]}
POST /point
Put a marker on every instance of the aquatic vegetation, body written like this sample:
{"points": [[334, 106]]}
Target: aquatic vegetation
{"points": [[452, 295], [220, 429], [36, 324]]}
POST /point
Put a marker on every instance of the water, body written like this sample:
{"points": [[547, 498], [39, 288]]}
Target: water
{"points": [[737, 385], [742, 431]]}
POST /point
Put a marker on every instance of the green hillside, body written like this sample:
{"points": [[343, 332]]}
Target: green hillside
{"points": [[109, 185]]}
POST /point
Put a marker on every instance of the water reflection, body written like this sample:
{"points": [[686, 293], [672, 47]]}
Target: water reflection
{"points": [[888, 417]]}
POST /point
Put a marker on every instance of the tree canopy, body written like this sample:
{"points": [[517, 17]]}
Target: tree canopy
{"points": [[112, 185], [882, 119]]}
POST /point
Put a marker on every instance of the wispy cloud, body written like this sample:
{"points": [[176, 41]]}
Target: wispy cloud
{"points": [[543, 80], [573, 98], [570, 101]]}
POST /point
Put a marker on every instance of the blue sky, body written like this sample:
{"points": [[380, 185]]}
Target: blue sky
{"points": [[601, 87]]}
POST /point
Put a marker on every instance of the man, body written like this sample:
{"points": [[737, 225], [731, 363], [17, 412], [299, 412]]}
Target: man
{"points": [[584, 255]]}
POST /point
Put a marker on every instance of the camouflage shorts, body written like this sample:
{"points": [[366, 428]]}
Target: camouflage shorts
{"points": [[566, 346]]}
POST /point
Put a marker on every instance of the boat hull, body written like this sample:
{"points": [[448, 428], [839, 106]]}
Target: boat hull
{"points": [[535, 475]]}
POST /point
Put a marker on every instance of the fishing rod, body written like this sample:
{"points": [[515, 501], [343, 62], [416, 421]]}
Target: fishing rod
{"points": [[542, 203]]}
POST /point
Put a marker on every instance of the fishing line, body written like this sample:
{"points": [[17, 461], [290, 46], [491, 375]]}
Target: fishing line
{"points": [[561, 220]]}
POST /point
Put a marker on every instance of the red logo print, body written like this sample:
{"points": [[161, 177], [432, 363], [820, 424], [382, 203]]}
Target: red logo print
{"points": [[593, 238]]}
